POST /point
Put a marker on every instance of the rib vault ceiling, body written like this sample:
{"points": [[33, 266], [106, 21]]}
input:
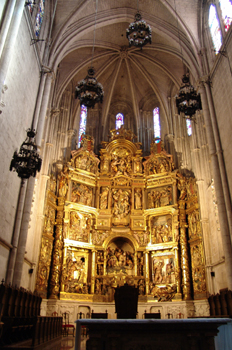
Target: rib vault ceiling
{"points": [[130, 76]]}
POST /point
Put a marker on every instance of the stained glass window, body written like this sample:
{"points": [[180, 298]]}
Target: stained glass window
{"points": [[189, 127], [83, 119], [39, 18], [226, 7], [30, 5], [119, 120], [214, 27], [156, 121]]}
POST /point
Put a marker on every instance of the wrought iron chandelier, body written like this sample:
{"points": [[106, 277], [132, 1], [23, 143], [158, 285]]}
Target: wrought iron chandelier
{"points": [[27, 162], [138, 33], [188, 101], [88, 90]]}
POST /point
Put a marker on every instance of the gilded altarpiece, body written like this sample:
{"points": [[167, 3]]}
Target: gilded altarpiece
{"points": [[123, 219]]}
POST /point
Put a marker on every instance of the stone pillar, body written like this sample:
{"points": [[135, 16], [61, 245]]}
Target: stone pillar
{"points": [[70, 133], [29, 194], [16, 232], [18, 268], [220, 158], [12, 27], [186, 285], [225, 233]]}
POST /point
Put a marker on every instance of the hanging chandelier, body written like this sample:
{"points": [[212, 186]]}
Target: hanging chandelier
{"points": [[188, 101], [27, 162], [138, 33], [89, 91]]}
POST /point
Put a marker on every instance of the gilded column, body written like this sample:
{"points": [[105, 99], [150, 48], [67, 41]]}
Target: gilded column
{"points": [[47, 241], [57, 260], [147, 271], [93, 271], [178, 272], [186, 283], [135, 263]]}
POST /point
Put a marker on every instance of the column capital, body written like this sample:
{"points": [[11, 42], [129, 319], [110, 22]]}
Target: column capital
{"points": [[71, 132]]}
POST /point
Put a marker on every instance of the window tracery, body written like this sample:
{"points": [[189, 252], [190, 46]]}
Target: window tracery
{"points": [[189, 127], [226, 8], [156, 123], [82, 127], [214, 27], [119, 120], [39, 17]]}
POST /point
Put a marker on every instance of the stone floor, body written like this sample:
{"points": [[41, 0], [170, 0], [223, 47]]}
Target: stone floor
{"points": [[68, 343]]}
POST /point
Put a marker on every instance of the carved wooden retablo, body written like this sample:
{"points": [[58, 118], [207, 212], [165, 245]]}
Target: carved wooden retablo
{"points": [[121, 219]]}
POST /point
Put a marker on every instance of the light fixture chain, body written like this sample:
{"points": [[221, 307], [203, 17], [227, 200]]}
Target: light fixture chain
{"points": [[178, 30], [94, 33]]}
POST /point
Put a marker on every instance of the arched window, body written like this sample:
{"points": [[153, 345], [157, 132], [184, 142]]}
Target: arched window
{"points": [[83, 119], [156, 123], [226, 8], [189, 127], [214, 27], [119, 120], [39, 17], [30, 5]]}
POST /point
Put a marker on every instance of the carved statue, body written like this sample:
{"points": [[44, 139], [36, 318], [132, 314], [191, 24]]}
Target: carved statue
{"points": [[150, 200], [121, 205], [53, 183], [114, 165], [157, 268], [194, 224], [182, 186], [138, 198], [104, 198], [63, 182], [141, 287], [140, 261]]}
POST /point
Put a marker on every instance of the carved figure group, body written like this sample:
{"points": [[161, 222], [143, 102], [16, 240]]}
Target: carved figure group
{"points": [[121, 206], [141, 237], [164, 271], [186, 186], [158, 165], [82, 194], [79, 227], [74, 273], [86, 162], [119, 258], [121, 165], [160, 198], [199, 283], [122, 133], [162, 233], [99, 237]]}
